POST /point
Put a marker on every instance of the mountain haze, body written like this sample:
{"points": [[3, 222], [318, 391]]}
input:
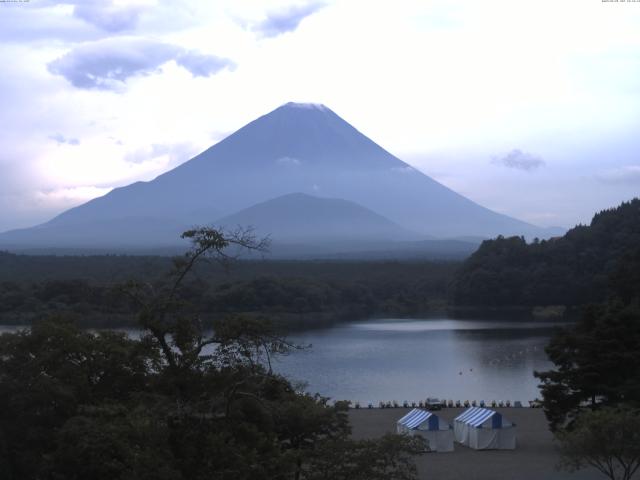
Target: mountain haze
{"points": [[304, 148]]}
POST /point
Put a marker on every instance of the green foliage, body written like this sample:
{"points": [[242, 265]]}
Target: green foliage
{"points": [[294, 294], [607, 439], [571, 270], [184, 401], [79, 405], [597, 362], [48, 373]]}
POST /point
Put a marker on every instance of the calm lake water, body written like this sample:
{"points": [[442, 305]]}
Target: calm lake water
{"points": [[404, 359], [393, 359]]}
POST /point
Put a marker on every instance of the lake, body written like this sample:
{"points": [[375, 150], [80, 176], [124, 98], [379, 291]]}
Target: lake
{"points": [[400, 359]]}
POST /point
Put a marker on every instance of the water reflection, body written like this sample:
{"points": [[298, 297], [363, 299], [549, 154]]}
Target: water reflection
{"points": [[412, 359]]}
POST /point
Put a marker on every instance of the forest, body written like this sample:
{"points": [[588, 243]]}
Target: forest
{"points": [[298, 294], [571, 270], [503, 275]]}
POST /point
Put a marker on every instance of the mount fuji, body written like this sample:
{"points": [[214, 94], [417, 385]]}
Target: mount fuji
{"points": [[345, 185]]}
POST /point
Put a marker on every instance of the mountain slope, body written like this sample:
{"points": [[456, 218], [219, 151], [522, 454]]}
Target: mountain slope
{"points": [[298, 217], [295, 148]]}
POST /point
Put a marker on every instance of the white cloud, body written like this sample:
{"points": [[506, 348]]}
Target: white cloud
{"points": [[405, 170], [71, 195], [59, 138], [110, 16], [173, 154], [288, 161], [286, 19]]}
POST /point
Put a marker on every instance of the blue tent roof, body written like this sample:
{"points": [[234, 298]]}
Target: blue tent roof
{"points": [[476, 416], [417, 417]]}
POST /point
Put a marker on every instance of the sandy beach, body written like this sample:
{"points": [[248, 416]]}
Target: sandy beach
{"points": [[535, 457]]}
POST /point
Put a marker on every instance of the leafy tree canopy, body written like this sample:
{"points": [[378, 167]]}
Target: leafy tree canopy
{"points": [[607, 440], [184, 401], [569, 270]]}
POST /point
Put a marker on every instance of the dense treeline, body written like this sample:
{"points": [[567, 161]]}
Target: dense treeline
{"points": [[592, 395], [300, 294], [575, 269], [571, 270]]}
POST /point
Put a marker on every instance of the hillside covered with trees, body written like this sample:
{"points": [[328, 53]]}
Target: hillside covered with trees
{"points": [[571, 270]]}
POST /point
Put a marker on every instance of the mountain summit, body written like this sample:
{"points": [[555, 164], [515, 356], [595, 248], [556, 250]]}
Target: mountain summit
{"points": [[298, 147]]}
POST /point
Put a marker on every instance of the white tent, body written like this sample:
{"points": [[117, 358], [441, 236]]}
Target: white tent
{"points": [[437, 432], [482, 429]]}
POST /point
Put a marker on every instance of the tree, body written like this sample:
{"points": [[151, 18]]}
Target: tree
{"points": [[597, 363], [47, 375], [607, 439], [184, 401], [570, 270]]}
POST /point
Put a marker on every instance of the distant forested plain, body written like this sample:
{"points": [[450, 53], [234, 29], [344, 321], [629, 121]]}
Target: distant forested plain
{"points": [[298, 294], [505, 275]]}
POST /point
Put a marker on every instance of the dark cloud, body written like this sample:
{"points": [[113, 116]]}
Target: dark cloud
{"points": [[59, 138], [519, 160], [287, 20], [107, 64]]}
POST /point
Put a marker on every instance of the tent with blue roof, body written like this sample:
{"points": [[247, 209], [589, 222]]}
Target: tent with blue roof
{"points": [[483, 429], [432, 428]]}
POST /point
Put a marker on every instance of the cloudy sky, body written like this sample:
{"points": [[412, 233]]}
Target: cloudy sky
{"points": [[531, 108]]}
